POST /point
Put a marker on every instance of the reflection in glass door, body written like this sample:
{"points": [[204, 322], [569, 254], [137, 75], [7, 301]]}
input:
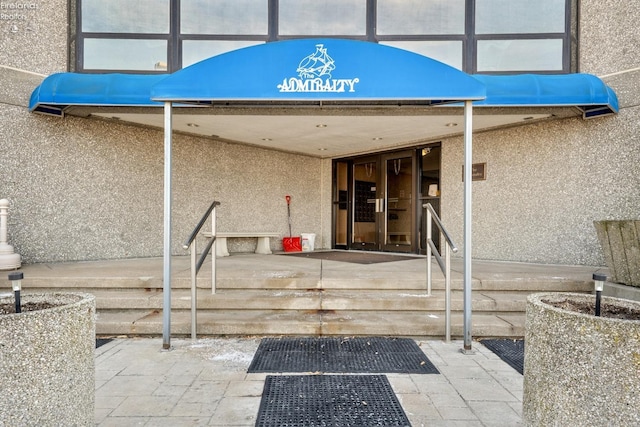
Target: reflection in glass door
{"points": [[378, 200], [366, 204], [398, 226], [383, 209]]}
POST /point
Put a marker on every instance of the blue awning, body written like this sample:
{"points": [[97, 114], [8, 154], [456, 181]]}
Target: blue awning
{"points": [[584, 91], [322, 71], [328, 70], [61, 90]]}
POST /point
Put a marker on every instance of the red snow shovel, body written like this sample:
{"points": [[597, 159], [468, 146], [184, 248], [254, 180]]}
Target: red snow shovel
{"points": [[291, 244]]}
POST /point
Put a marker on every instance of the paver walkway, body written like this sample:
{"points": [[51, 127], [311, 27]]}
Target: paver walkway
{"points": [[205, 383]]}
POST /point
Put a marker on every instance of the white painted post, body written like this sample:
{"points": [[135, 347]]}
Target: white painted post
{"points": [[9, 260]]}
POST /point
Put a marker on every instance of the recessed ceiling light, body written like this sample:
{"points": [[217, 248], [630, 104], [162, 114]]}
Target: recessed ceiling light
{"points": [[377, 138], [193, 125], [267, 139], [528, 118], [322, 149], [321, 126], [451, 125]]}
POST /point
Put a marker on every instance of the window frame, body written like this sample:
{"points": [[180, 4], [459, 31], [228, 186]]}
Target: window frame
{"points": [[469, 39]]}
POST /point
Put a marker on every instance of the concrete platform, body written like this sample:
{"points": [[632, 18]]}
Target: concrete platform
{"points": [[299, 272]]}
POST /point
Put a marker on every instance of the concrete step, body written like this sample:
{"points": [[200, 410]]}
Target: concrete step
{"points": [[385, 300], [412, 282], [277, 295], [294, 322], [311, 312]]}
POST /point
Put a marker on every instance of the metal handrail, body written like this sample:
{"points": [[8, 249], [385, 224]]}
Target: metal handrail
{"points": [[190, 244], [443, 261]]}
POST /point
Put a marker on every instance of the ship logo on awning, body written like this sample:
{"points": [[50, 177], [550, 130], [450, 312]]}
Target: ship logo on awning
{"points": [[314, 75]]}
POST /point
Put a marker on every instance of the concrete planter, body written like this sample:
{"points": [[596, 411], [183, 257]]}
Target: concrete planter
{"points": [[580, 369], [47, 369], [620, 242]]}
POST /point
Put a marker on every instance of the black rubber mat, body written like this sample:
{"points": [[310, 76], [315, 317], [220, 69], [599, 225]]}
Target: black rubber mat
{"points": [[510, 351], [373, 355], [357, 257], [329, 400]]}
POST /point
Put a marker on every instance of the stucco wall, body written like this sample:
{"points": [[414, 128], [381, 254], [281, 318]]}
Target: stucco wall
{"points": [[608, 34], [546, 184], [90, 189], [33, 35]]}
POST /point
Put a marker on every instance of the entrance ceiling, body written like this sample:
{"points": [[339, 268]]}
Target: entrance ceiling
{"points": [[341, 134]]}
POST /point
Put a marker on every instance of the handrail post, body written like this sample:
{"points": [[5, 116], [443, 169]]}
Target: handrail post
{"points": [[214, 250], [447, 292], [190, 244], [445, 265], [194, 289], [429, 272]]}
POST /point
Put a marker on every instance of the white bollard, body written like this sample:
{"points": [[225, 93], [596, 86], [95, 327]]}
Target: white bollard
{"points": [[9, 260]]}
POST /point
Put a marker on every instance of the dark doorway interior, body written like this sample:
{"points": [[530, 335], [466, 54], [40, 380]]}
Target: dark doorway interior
{"points": [[378, 199]]}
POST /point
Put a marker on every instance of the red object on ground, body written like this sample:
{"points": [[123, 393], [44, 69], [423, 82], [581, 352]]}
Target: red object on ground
{"points": [[291, 244]]}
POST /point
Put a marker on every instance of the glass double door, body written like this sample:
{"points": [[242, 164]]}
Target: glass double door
{"points": [[383, 207]]}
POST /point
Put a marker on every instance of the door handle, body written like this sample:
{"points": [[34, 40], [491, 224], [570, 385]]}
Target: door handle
{"points": [[379, 205]]}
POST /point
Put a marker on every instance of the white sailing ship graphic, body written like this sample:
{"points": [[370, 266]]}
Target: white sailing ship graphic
{"points": [[316, 65]]}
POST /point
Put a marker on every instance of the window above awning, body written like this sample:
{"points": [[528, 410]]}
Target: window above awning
{"points": [[321, 72]]}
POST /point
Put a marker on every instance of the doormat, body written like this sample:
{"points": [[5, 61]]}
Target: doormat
{"points": [[329, 400], [102, 341], [371, 355], [356, 257], [510, 351]]}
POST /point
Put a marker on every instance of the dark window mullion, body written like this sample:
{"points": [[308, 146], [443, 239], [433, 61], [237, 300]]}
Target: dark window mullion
{"points": [[272, 27], [79, 65], [469, 49], [174, 48], [568, 36], [134, 36], [435, 37], [372, 21], [519, 36]]}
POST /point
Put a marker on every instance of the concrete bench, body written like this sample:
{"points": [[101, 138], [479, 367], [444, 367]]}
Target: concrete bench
{"points": [[262, 247]]}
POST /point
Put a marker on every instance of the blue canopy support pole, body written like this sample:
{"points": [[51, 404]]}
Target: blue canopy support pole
{"points": [[166, 283], [468, 151]]}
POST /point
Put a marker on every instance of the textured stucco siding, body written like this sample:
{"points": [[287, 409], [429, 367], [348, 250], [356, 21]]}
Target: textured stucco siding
{"points": [[91, 189], [609, 38], [35, 38], [84, 188], [546, 184]]}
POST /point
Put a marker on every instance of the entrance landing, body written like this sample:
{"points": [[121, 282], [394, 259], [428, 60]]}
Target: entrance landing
{"points": [[357, 257], [275, 295]]}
